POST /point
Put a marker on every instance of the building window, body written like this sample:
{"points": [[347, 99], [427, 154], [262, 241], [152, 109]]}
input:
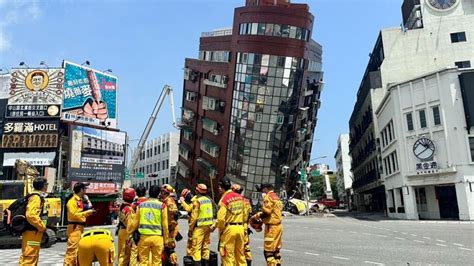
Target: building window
{"points": [[167, 146], [210, 125], [277, 30], [163, 147], [458, 37], [155, 150], [209, 103], [471, 146], [159, 167], [167, 164], [187, 134], [436, 116], [401, 197], [409, 117], [190, 96], [463, 64], [422, 115], [210, 148], [155, 167], [158, 148], [163, 165]]}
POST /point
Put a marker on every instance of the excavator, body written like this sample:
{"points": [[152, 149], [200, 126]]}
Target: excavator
{"points": [[11, 190]]}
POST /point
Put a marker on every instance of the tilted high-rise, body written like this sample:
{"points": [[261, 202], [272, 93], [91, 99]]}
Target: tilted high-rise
{"points": [[251, 99]]}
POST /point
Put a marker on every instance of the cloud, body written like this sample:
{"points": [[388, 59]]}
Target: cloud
{"points": [[14, 12]]}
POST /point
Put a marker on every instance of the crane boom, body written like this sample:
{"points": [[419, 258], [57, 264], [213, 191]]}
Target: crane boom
{"points": [[167, 90]]}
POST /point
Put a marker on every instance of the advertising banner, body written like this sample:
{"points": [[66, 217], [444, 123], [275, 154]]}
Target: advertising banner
{"points": [[33, 110], [4, 86], [36, 86], [96, 155], [99, 188], [34, 158], [90, 96], [30, 134]]}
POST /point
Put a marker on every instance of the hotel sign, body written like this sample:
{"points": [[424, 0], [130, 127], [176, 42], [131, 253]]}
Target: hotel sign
{"points": [[30, 134]]}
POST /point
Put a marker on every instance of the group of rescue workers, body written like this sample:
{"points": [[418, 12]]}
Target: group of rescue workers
{"points": [[148, 227]]}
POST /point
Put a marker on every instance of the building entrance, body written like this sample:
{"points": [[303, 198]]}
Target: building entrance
{"points": [[448, 204]]}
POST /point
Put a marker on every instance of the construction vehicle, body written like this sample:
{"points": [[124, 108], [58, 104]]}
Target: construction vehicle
{"points": [[167, 90], [11, 190]]}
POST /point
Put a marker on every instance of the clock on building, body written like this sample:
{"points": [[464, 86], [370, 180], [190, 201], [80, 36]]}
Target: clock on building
{"points": [[424, 149], [442, 4]]}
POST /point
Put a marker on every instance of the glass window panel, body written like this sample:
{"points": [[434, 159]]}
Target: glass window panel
{"points": [[273, 61], [279, 72], [281, 61], [254, 29], [272, 71], [299, 33], [276, 30], [436, 116], [278, 82], [261, 29], [285, 31], [250, 59], [261, 153], [292, 32], [257, 59], [269, 29], [422, 118]]}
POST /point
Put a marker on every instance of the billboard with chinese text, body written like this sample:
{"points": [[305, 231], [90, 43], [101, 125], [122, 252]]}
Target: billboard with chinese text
{"points": [[90, 96], [30, 134], [99, 188], [96, 155]]}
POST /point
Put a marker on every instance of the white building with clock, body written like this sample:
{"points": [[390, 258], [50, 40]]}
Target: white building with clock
{"points": [[425, 137], [412, 89]]}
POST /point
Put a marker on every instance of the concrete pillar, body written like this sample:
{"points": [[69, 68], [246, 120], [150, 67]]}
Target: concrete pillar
{"points": [[411, 210], [465, 198]]}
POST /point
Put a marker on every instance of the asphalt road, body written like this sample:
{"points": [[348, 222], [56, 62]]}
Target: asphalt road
{"points": [[351, 241]]}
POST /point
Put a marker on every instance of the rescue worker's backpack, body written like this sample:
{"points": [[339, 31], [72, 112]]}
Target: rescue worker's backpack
{"points": [[14, 217]]}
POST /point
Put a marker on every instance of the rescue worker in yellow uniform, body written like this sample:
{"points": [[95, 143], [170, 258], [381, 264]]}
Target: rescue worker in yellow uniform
{"points": [[126, 213], [141, 197], [247, 231], [152, 224], [230, 223], [186, 201], [35, 224], [96, 244], [170, 257], [271, 216], [200, 223], [76, 217]]}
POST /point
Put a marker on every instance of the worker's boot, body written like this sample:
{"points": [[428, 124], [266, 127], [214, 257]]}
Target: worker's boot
{"points": [[249, 263], [197, 263], [205, 263]]}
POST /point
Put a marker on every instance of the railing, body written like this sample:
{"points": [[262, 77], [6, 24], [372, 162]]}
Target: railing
{"points": [[215, 33]]}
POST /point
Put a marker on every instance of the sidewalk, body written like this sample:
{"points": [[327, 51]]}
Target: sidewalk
{"points": [[380, 217]]}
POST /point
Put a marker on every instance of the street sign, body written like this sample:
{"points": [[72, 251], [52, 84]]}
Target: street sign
{"points": [[315, 173], [140, 175], [127, 174]]}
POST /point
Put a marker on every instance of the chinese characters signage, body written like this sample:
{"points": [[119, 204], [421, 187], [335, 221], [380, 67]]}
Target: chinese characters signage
{"points": [[96, 155], [89, 94], [99, 188], [427, 167], [36, 86], [32, 110], [30, 134]]}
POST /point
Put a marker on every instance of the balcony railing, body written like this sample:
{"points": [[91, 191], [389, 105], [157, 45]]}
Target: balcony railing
{"points": [[218, 32]]}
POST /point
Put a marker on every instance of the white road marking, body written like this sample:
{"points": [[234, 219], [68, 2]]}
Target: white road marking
{"points": [[287, 250], [404, 233], [395, 231], [465, 249], [312, 254], [425, 237], [442, 241], [459, 245], [372, 262], [340, 258], [419, 241], [413, 235], [441, 245], [400, 238]]}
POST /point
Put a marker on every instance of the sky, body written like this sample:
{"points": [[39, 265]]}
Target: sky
{"points": [[145, 42]]}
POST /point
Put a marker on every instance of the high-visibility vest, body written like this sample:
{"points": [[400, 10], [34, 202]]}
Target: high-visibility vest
{"points": [[150, 217], [205, 211]]}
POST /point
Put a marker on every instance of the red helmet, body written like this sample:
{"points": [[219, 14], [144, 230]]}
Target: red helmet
{"points": [[185, 192], [201, 189], [129, 194]]}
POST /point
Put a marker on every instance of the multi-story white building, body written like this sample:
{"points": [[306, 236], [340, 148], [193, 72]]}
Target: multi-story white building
{"points": [[343, 166], [435, 35], [428, 146], [158, 161]]}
